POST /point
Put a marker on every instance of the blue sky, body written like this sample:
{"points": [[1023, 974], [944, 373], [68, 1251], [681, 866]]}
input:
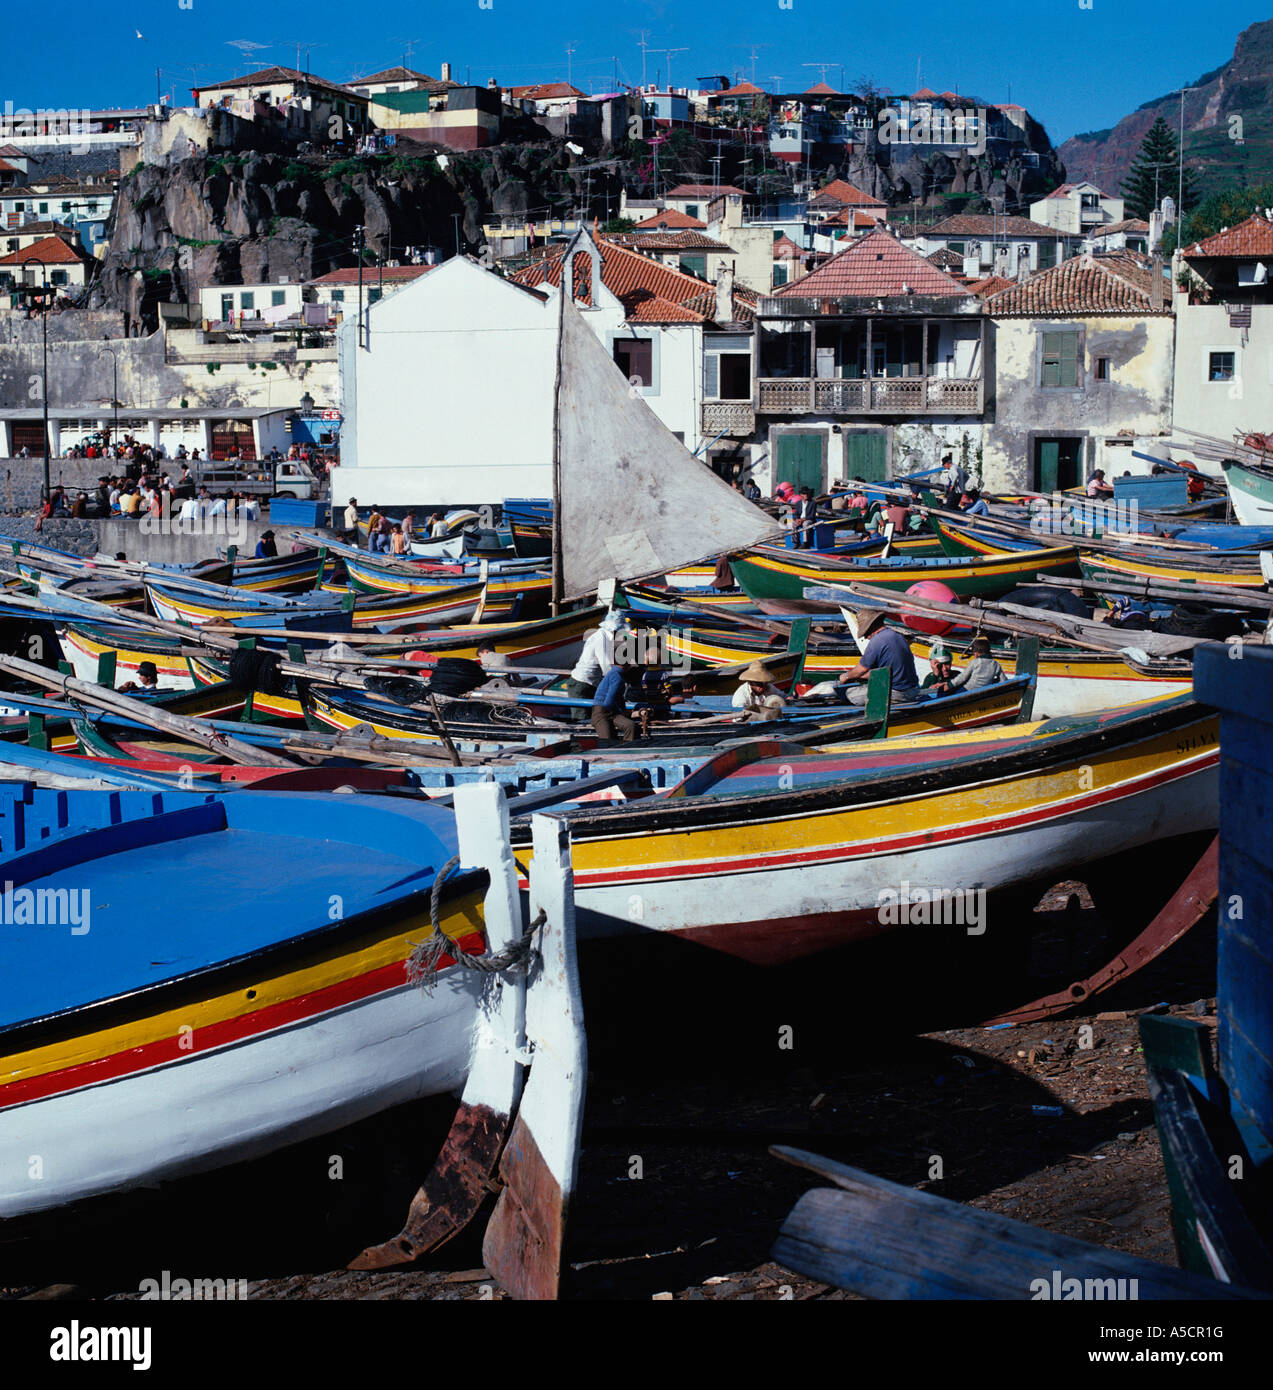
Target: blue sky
{"points": [[1076, 69]]}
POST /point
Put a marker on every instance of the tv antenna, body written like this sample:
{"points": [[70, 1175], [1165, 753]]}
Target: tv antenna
{"points": [[669, 52], [571, 48], [823, 69]]}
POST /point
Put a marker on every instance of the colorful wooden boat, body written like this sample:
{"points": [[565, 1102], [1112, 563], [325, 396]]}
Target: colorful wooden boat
{"points": [[768, 572], [1250, 491], [1126, 568], [789, 855], [1215, 1111], [141, 1044]]}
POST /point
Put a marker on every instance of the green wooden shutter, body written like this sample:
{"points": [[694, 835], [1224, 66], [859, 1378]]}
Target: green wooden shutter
{"points": [[711, 376], [1051, 375], [1069, 364]]}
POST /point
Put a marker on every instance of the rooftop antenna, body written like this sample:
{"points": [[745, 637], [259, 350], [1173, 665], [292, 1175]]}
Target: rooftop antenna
{"points": [[410, 44], [777, 77], [570, 53], [822, 69], [754, 48], [669, 52], [645, 34], [246, 48]]}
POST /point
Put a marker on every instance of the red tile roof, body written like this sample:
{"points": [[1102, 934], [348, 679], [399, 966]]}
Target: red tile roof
{"points": [[876, 266], [1129, 224], [371, 275], [839, 193], [990, 284], [669, 241], [12, 152], [52, 249], [645, 287], [857, 217], [673, 220], [1116, 283], [269, 76], [784, 247], [545, 91], [1254, 237], [704, 190], [925, 94], [7, 168], [1067, 188], [399, 74], [988, 225], [946, 259], [820, 89], [742, 89]]}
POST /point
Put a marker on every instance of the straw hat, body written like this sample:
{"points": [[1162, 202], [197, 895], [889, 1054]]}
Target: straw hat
{"points": [[868, 619], [758, 672]]}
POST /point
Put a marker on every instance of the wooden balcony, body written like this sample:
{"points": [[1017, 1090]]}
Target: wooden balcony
{"points": [[728, 417], [908, 395]]}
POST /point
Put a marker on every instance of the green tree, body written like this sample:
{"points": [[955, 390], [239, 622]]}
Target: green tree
{"points": [[1157, 166], [1226, 208]]}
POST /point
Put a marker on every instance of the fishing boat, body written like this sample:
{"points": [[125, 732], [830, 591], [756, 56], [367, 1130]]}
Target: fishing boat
{"points": [[768, 572], [787, 856], [140, 1045], [1250, 491]]}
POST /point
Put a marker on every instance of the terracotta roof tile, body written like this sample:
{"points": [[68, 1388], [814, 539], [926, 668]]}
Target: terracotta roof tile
{"points": [[820, 89], [741, 89], [669, 241], [371, 275], [946, 259], [988, 225], [1116, 283], [840, 193], [401, 74], [268, 76], [1254, 237], [545, 91], [52, 249], [990, 284], [653, 308], [703, 190], [673, 221], [875, 266]]}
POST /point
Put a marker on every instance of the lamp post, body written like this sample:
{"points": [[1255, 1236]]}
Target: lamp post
{"points": [[114, 393], [44, 383]]}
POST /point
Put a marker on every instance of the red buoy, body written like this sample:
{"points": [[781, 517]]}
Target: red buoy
{"points": [[933, 591]]}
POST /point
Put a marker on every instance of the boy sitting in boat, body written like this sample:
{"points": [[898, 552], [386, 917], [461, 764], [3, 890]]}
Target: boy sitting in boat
{"points": [[981, 671], [609, 704]]}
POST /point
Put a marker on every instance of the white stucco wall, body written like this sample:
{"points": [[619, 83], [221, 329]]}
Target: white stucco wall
{"points": [[1219, 408]]}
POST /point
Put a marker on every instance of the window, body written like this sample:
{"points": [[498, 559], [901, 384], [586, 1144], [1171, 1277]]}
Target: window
{"points": [[957, 247], [634, 357], [1060, 353], [247, 300], [780, 275], [1221, 366], [691, 209], [1102, 369], [44, 207], [374, 294], [227, 306], [66, 207], [278, 296], [727, 376], [338, 296], [58, 277]]}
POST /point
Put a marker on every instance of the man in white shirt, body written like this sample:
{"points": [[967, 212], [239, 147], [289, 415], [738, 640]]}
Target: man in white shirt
{"points": [[757, 698], [351, 521], [596, 659]]}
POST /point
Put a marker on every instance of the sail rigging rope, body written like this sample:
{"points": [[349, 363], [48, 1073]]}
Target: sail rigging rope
{"points": [[426, 956]]}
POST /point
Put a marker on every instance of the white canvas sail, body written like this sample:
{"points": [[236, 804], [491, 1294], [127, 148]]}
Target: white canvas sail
{"points": [[632, 501]]}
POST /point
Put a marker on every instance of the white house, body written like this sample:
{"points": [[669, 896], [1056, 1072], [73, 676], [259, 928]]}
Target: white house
{"points": [[1224, 332], [1077, 209]]}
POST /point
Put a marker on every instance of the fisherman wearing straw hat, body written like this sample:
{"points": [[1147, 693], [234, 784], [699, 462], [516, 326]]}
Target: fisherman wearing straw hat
{"points": [[883, 647], [757, 699]]}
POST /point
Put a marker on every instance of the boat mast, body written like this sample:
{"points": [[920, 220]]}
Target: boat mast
{"points": [[556, 517]]}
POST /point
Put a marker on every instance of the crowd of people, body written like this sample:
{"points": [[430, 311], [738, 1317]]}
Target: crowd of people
{"points": [[150, 494]]}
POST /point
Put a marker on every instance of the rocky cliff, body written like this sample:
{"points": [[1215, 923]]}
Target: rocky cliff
{"points": [[1228, 125]]}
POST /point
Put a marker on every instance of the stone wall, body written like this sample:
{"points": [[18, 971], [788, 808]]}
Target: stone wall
{"points": [[21, 480], [59, 533]]}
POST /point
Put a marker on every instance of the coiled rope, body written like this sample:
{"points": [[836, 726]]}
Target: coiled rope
{"points": [[426, 956]]}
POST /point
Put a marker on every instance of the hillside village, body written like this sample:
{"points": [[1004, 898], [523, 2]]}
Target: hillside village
{"points": [[852, 287]]}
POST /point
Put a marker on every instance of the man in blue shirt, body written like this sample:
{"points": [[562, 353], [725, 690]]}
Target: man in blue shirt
{"points": [[976, 504], [884, 647], [609, 705]]}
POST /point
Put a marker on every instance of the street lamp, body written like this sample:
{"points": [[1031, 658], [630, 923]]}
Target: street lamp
{"points": [[44, 384], [114, 392]]}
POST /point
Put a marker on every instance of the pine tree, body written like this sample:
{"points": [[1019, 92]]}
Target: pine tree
{"points": [[1157, 156]]}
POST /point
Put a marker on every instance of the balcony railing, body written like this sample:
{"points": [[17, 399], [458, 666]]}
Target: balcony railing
{"points": [[906, 395], [728, 417]]}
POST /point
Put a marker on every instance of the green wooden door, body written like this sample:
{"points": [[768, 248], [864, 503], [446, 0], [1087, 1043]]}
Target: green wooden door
{"points": [[800, 461], [1049, 451], [867, 454]]}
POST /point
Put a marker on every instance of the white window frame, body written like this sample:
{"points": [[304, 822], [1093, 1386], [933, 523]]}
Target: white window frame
{"points": [[1237, 364]]}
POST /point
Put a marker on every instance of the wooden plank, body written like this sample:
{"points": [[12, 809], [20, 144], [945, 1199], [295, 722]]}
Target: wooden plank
{"points": [[883, 1240]]}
